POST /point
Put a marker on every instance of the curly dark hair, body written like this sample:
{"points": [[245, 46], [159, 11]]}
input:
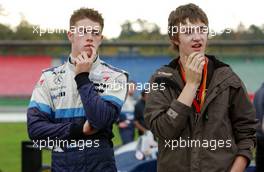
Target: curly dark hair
{"points": [[83, 13]]}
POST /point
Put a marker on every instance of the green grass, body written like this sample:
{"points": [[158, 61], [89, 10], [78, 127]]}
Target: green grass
{"points": [[11, 135], [12, 101]]}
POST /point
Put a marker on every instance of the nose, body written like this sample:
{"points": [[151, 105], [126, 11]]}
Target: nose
{"points": [[196, 36], [89, 37]]}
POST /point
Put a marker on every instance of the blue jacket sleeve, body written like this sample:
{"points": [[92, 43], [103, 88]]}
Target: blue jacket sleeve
{"points": [[41, 127], [100, 112]]}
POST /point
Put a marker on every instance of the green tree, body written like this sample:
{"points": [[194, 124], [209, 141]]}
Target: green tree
{"points": [[255, 32], [6, 32], [24, 31], [127, 30], [145, 31]]}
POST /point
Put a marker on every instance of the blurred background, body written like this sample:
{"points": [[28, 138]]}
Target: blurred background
{"points": [[135, 41]]}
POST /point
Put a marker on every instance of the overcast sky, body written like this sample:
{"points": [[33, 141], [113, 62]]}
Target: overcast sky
{"points": [[56, 13]]}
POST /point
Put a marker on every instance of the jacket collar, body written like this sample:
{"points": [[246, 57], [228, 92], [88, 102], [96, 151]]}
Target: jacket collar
{"points": [[171, 73]]}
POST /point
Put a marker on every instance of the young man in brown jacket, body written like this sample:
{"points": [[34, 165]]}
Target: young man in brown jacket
{"points": [[203, 119]]}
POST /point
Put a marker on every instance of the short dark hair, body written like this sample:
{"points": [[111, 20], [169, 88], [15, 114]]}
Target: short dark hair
{"points": [[83, 13]]}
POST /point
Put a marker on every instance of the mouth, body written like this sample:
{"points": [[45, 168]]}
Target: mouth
{"points": [[197, 46], [88, 45]]}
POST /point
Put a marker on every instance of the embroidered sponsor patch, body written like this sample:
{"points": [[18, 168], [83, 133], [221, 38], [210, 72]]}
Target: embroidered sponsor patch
{"points": [[172, 113]]}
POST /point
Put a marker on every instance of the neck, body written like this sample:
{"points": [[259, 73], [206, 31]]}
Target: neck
{"points": [[74, 54], [182, 60]]}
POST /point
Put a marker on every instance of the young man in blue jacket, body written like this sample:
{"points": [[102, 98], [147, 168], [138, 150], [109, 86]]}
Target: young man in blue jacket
{"points": [[74, 106]]}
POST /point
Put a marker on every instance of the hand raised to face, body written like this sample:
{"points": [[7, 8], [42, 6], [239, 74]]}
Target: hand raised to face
{"points": [[194, 67], [84, 60]]}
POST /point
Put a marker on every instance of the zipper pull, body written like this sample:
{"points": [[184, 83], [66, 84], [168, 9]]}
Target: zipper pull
{"points": [[197, 116], [206, 116]]}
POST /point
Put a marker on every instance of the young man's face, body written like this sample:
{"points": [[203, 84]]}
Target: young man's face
{"points": [[85, 34], [192, 38]]}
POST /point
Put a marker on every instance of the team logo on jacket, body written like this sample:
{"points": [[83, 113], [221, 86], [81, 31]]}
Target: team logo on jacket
{"points": [[58, 76], [60, 94], [100, 87], [58, 80], [39, 83], [105, 78]]}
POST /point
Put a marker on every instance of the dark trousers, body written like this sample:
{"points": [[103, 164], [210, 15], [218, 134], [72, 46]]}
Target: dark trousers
{"points": [[260, 155], [127, 134], [86, 159]]}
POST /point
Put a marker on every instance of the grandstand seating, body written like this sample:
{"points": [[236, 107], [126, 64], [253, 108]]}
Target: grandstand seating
{"points": [[140, 68], [20, 73]]}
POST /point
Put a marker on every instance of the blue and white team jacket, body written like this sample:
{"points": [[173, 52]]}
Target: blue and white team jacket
{"points": [[61, 102]]}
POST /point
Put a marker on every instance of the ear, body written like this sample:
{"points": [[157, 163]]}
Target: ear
{"points": [[101, 39], [175, 41], [70, 36]]}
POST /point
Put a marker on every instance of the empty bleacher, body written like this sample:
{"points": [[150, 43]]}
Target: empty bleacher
{"points": [[19, 74]]}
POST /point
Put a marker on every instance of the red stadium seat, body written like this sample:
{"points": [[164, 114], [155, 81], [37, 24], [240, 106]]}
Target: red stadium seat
{"points": [[19, 74]]}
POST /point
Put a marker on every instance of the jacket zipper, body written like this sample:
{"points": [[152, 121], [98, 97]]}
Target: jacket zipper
{"points": [[197, 116]]}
